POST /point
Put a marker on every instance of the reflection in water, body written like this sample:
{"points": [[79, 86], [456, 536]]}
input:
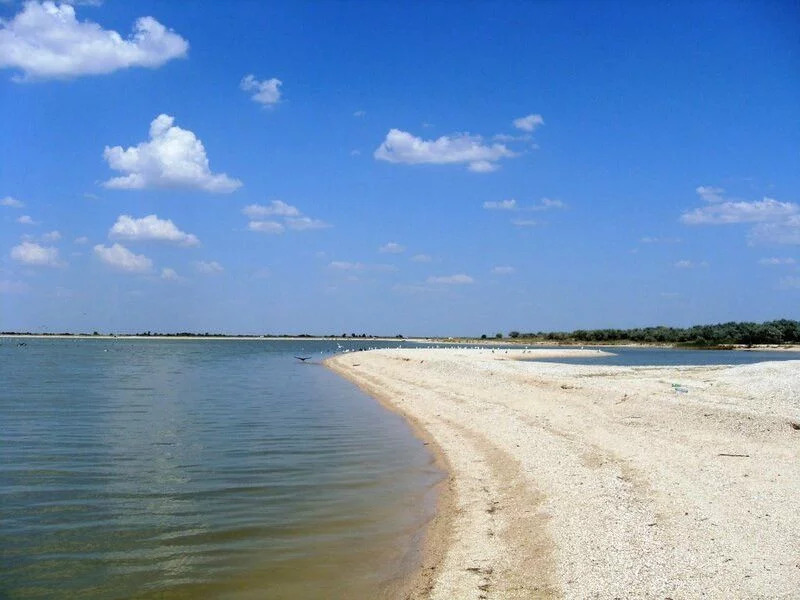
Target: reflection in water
{"points": [[168, 469]]}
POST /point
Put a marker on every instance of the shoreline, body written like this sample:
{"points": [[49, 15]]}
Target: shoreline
{"points": [[436, 534], [589, 481]]}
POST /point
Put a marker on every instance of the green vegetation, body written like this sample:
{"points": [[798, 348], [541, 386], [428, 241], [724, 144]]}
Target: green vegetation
{"points": [[782, 331]]}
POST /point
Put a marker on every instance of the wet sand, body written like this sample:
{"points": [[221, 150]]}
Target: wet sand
{"points": [[572, 481]]}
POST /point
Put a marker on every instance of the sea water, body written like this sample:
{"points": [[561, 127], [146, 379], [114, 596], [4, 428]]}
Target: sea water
{"points": [[201, 468]]}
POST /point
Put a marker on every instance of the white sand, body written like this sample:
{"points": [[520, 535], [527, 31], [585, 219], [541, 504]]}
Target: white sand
{"points": [[602, 482]]}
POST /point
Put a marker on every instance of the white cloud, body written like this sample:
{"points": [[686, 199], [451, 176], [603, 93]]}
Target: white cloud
{"points": [[305, 223], [403, 147], [209, 268], [276, 208], [359, 113], [511, 204], [150, 228], [689, 264], [775, 222], [265, 92], [265, 226], [728, 212], [45, 40], [503, 270], [501, 205], [777, 261], [524, 222], [341, 265], [659, 240], [122, 259], [11, 202], [292, 218], [421, 258], [459, 279], [27, 220], [52, 236], [32, 254], [710, 193], [173, 157], [783, 231], [392, 248], [548, 203], [169, 274], [529, 123], [81, 240]]}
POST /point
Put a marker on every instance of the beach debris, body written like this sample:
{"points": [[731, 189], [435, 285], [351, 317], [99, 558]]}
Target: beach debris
{"points": [[734, 455], [794, 425], [679, 388]]}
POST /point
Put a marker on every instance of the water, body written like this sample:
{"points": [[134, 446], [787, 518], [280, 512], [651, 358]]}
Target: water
{"points": [[184, 469], [638, 357]]}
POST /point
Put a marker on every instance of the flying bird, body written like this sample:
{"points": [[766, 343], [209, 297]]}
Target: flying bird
{"points": [[303, 358]]}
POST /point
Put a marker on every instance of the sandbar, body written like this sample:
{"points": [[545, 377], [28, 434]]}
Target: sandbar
{"points": [[581, 481]]}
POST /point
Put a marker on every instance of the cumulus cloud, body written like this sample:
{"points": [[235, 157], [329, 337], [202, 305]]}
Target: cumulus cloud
{"points": [[26, 220], [266, 93], [305, 223], [500, 205], [208, 268], [392, 248], [274, 208], [659, 240], [728, 212], [122, 259], [81, 240], [529, 123], [11, 202], [503, 270], [403, 147], [291, 215], [421, 258], [773, 222], [774, 261], [341, 265], [51, 236], [265, 226], [150, 228], [690, 264], [786, 231], [173, 158], [459, 279], [34, 255], [169, 274], [45, 40], [512, 205]]}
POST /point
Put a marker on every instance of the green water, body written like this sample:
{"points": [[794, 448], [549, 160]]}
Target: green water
{"points": [[189, 469]]}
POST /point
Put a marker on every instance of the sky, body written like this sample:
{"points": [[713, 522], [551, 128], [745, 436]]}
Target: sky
{"points": [[422, 168]]}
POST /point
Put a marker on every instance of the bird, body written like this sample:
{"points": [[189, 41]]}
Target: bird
{"points": [[302, 358]]}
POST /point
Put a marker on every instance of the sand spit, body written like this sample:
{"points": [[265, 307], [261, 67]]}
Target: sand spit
{"points": [[602, 482]]}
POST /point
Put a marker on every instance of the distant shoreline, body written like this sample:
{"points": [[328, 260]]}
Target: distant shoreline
{"points": [[450, 341]]}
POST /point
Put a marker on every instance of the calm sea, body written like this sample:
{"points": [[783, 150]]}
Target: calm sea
{"points": [[214, 469]]}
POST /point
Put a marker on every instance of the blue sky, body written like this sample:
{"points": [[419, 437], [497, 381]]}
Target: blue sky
{"points": [[425, 168]]}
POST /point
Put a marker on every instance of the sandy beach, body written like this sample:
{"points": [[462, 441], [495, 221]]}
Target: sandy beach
{"points": [[571, 481]]}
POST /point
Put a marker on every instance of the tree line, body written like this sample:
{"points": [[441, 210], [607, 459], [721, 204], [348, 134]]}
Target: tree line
{"points": [[782, 331]]}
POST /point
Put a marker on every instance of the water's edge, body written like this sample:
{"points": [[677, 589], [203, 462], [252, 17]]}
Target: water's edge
{"points": [[417, 583]]}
